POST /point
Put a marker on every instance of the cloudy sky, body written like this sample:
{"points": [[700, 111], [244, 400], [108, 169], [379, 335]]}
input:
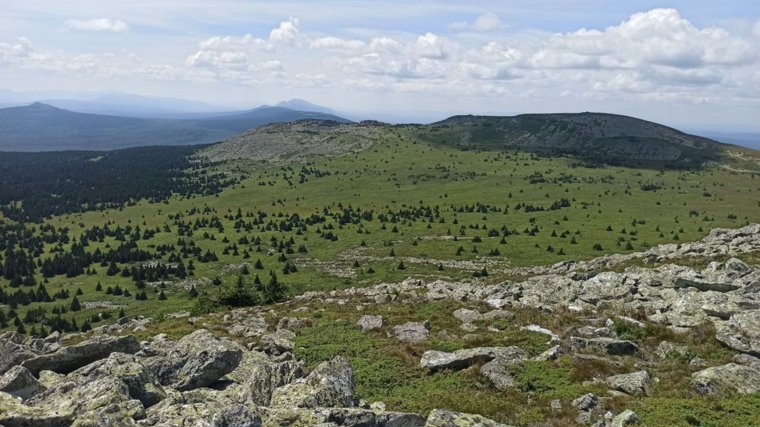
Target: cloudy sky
{"points": [[685, 63]]}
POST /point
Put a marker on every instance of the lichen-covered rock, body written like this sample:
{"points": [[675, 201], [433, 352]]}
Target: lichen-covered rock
{"points": [[634, 383], [67, 359], [461, 359], [441, 418], [742, 332], [19, 382], [370, 322], [624, 418], [726, 379], [610, 346], [277, 343], [141, 384], [259, 376], [13, 351], [203, 414], [465, 315], [15, 414], [331, 384], [412, 332], [197, 360]]}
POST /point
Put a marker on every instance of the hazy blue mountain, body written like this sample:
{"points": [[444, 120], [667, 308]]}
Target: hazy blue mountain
{"points": [[303, 105], [41, 127]]}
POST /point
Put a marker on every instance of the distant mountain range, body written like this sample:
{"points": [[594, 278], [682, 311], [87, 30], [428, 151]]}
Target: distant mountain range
{"points": [[42, 127]]}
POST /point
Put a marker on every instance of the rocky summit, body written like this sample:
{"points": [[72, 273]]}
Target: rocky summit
{"points": [[625, 317]]}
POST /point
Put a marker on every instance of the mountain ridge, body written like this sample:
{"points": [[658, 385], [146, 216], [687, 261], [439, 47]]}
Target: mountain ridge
{"points": [[41, 127]]}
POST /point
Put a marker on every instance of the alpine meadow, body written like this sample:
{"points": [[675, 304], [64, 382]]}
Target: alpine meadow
{"points": [[415, 255]]}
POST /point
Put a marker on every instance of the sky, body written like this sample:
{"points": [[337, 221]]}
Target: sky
{"points": [[693, 64]]}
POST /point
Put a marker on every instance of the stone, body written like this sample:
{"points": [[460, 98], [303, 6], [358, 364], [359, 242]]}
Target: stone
{"points": [[277, 343], [13, 351], [593, 331], [669, 349], [412, 332], [291, 323], [362, 417], [67, 359], [19, 382], [625, 418], [634, 384], [437, 360], [747, 360], [497, 374], [370, 322], [331, 384], [16, 414], [604, 345], [466, 315], [549, 354], [727, 379], [540, 330], [690, 279], [197, 360], [587, 402], [441, 418], [742, 332]]}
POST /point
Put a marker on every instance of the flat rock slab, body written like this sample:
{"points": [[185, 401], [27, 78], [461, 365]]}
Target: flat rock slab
{"points": [[742, 332], [67, 359], [461, 359], [370, 322], [634, 384], [726, 379], [605, 345], [412, 332]]}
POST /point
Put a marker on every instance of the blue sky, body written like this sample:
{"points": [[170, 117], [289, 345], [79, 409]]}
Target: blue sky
{"points": [[685, 63]]}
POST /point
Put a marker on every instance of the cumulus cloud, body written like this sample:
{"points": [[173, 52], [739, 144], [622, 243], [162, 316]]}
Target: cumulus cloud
{"points": [[486, 22], [97, 24]]}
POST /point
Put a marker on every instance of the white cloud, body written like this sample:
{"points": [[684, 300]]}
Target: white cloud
{"points": [[286, 33], [486, 22], [97, 24]]}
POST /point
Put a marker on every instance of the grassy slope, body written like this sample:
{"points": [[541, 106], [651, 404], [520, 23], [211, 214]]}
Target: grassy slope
{"points": [[402, 171]]}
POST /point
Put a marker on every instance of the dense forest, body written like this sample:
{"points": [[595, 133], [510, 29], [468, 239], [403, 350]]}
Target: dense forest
{"points": [[34, 186]]}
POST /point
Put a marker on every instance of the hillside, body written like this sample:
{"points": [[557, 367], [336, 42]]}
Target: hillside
{"points": [[40, 127], [593, 136], [298, 140]]}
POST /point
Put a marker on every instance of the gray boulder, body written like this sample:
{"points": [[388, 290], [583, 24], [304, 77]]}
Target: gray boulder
{"points": [[67, 359], [277, 343], [726, 379], [468, 316], [610, 346], [331, 384], [370, 322], [412, 332], [441, 418], [634, 384], [13, 351], [586, 402], [437, 360], [197, 360], [19, 382], [742, 332], [16, 414]]}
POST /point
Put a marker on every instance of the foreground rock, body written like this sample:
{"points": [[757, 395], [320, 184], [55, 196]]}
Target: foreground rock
{"points": [[72, 357], [197, 360], [19, 382], [742, 332], [726, 379], [330, 385]]}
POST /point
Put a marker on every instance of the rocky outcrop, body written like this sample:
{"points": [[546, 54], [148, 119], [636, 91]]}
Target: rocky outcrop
{"points": [[742, 332], [19, 382], [67, 359], [609, 346], [726, 379]]}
